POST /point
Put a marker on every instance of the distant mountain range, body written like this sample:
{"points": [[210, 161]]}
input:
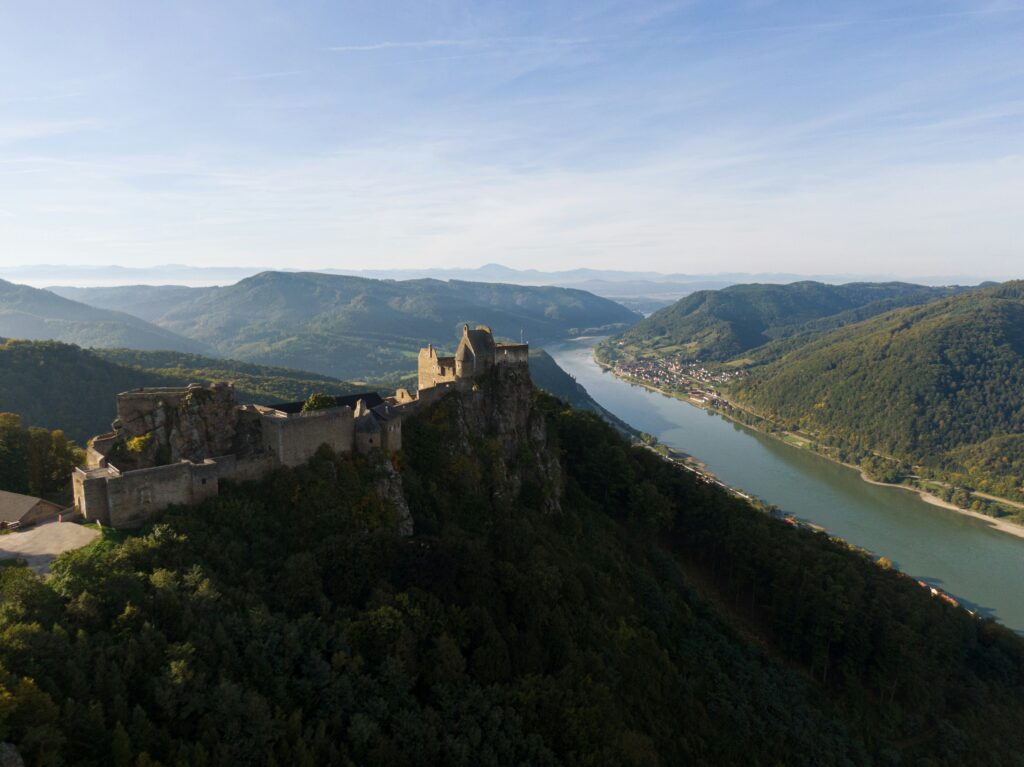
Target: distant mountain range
{"points": [[641, 290], [353, 327]]}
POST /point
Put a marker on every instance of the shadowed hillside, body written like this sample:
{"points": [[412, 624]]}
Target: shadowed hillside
{"points": [[59, 386]]}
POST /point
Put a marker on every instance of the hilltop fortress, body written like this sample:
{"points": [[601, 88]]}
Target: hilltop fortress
{"points": [[175, 445]]}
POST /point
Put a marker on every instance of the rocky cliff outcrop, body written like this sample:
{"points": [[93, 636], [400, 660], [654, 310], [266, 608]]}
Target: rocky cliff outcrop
{"points": [[389, 488], [491, 423], [161, 428]]}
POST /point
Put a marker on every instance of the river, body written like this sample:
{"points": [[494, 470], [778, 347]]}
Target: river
{"points": [[978, 565]]}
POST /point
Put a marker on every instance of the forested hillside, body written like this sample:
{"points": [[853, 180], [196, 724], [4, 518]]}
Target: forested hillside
{"points": [[722, 324], [941, 384], [352, 327], [60, 386], [35, 314], [653, 620]]}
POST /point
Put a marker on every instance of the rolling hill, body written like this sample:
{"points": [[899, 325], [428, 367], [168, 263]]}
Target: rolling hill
{"points": [[353, 327], [722, 324], [34, 314], [940, 384]]}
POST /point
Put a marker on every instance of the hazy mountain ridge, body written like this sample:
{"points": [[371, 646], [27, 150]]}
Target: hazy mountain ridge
{"points": [[355, 327], [31, 313]]}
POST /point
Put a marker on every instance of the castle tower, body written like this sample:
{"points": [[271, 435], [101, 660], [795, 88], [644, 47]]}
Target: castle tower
{"points": [[434, 370]]}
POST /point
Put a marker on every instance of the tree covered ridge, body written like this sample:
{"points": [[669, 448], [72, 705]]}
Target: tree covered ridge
{"points": [[284, 622], [722, 324], [61, 386], [941, 385]]}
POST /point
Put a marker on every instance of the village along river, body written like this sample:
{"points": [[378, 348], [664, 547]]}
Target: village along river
{"points": [[981, 567]]}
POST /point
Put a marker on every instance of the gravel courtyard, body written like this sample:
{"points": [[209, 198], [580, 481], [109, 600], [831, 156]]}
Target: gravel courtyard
{"points": [[40, 545]]}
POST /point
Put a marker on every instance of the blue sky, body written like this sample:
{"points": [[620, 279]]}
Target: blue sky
{"points": [[688, 137]]}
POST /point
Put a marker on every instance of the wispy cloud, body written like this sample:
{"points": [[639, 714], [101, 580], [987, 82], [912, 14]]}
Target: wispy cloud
{"points": [[12, 131], [264, 76], [458, 43]]}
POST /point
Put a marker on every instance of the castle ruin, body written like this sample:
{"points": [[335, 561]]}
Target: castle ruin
{"points": [[476, 354], [174, 446]]}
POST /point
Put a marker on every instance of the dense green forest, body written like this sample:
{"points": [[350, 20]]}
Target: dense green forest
{"points": [[353, 327], [940, 385], [60, 386], [35, 314], [36, 461], [654, 620], [723, 324]]}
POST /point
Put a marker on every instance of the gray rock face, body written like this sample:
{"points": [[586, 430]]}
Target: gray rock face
{"points": [[498, 408], [389, 488], [199, 424], [9, 756]]}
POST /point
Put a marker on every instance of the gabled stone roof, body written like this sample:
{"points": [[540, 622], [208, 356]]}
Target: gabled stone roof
{"points": [[14, 506], [480, 342]]}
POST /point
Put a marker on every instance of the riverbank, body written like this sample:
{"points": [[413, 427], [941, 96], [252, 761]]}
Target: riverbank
{"points": [[1002, 525]]}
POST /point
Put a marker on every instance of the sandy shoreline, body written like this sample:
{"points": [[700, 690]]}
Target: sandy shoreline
{"points": [[1001, 525]]}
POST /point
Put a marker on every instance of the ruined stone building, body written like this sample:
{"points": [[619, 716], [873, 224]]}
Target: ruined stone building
{"points": [[476, 354], [175, 445]]}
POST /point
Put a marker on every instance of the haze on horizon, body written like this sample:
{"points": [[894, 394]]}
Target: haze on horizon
{"points": [[692, 137]]}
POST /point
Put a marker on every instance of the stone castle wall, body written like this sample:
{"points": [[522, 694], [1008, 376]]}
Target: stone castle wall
{"points": [[294, 439], [434, 370], [133, 497], [512, 354]]}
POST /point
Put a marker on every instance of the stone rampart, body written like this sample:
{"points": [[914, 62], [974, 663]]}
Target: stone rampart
{"points": [[98, 449], [133, 497], [512, 354], [293, 439]]}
